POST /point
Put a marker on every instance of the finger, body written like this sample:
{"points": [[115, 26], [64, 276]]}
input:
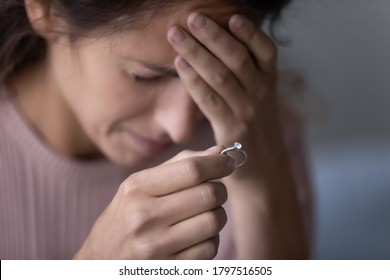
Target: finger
{"points": [[219, 112], [179, 175], [211, 104], [261, 46], [197, 229], [188, 153], [209, 68], [205, 250], [227, 48], [192, 202]]}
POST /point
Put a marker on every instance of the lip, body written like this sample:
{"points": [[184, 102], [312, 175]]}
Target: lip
{"points": [[147, 145]]}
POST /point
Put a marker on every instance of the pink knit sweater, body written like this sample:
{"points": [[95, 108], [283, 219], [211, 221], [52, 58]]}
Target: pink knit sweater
{"points": [[48, 202]]}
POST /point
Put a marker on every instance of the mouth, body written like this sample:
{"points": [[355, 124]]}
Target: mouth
{"points": [[147, 145]]}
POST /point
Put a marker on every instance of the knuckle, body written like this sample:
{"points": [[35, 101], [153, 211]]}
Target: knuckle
{"points": [[133, 183], [215, 35], [242, 129], [249, 114], [209, 195], [196, 81], [251, 33], [127, 187], [185, 154], [220, 77], [214, 193], [139, 219], [191, 49], [213, 222], [192, 170], [124, 188], [209, 98], [242, 58], [271, 53], [149, 249]]}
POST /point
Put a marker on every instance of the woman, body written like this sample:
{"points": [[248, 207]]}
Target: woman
{"points": [[98, 96]]}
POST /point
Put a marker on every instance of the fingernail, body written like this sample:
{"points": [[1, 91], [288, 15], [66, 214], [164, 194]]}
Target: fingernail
{"points": [[198, 21], [177, 35], [183, 64], [238, 22]]}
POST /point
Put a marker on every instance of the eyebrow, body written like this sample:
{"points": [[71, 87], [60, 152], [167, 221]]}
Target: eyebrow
{"points": [[161, 69]]}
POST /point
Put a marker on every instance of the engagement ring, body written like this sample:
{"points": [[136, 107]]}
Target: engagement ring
{"points": [[237, 147]]}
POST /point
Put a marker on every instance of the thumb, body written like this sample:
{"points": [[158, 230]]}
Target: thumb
{"points": [[189, 153]]}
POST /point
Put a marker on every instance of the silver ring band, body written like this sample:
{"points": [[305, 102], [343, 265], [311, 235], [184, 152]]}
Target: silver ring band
{"points": [[237, 147]]}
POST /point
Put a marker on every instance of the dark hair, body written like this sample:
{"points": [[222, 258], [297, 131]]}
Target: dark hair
{"points": [[21, 45]]}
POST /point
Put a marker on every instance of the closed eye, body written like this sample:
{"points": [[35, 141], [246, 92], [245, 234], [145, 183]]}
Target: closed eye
{"points": [[144, 79]]}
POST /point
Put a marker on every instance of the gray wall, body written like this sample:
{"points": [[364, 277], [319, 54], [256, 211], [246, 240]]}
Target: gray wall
{"points": [[342, 50]]}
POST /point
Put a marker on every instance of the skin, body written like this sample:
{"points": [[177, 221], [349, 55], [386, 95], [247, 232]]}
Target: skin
{"points": [[86, 101]]}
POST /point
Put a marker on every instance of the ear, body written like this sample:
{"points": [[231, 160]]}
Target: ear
{"points": [[42, 19]]}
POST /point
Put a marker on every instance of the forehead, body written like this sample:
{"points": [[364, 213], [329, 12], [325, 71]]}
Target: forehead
{"points": [[152, 30], [149, 39], [218, 10], [178, 12]]}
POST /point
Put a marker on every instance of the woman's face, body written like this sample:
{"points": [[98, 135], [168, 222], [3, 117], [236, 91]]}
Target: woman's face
{"points": [[124, 90]]}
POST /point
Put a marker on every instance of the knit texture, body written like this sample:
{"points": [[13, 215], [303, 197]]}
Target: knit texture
{"points": [[48, 203]]}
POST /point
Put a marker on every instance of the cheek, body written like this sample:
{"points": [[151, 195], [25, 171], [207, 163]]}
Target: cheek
{"points": [[108, 98], [99, 92], [117, 94]]}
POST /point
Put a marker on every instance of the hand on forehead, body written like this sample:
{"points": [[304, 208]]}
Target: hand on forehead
{"points": [[220, 11]]}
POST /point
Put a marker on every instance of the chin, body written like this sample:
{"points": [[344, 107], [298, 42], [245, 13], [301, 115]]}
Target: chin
{"points": [[128, 160], [127, 156]]}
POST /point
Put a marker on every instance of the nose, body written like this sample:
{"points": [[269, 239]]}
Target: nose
{"points": [[176, 112]]}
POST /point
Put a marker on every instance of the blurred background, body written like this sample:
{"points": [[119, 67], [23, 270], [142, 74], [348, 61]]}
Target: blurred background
{"points": [[341, 49]]}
